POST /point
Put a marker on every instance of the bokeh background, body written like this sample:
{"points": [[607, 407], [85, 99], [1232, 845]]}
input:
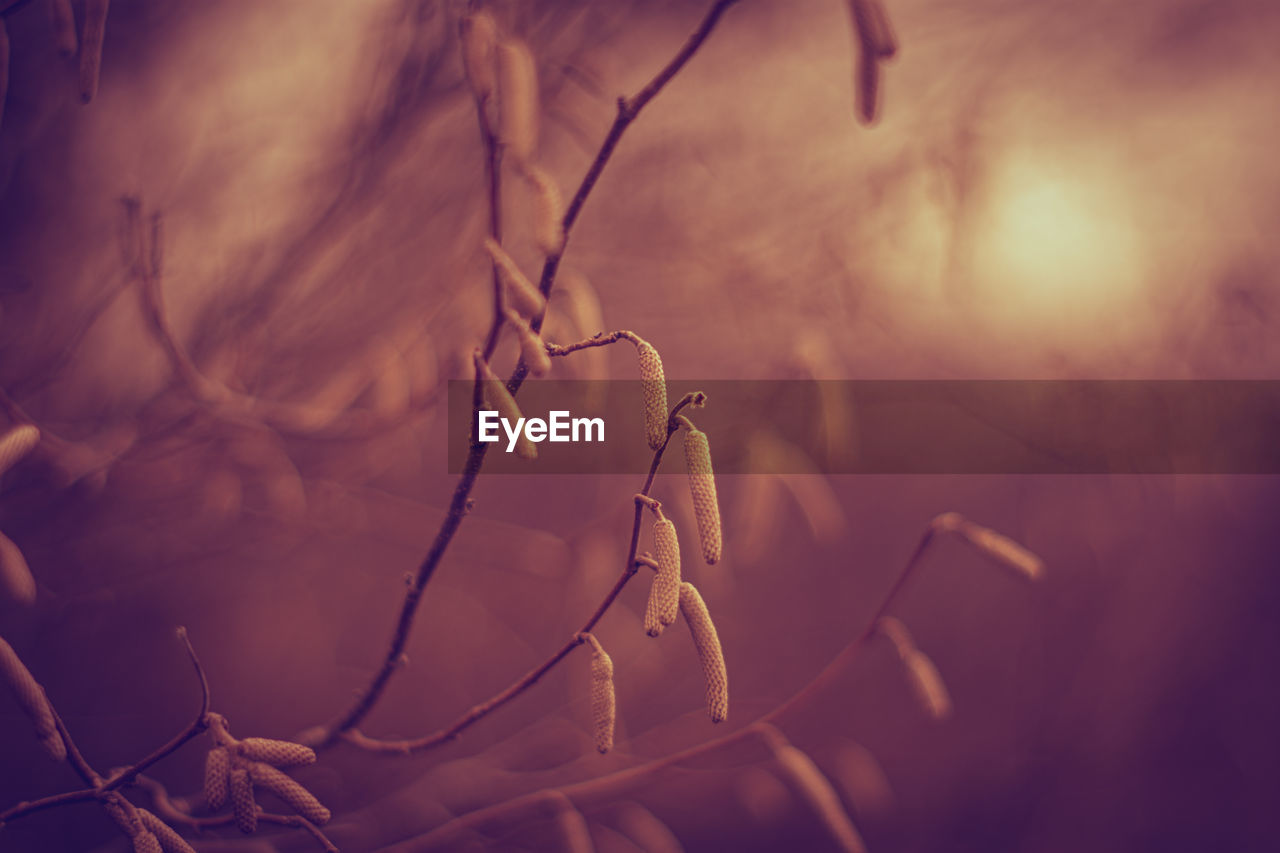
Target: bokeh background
{"points": [[1055, 190]]}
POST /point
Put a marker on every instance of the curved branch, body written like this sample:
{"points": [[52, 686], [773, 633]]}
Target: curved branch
{"points": [[460, 503]]}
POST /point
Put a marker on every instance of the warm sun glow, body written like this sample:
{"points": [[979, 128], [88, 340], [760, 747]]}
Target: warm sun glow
{"points": [[1055, 247]]}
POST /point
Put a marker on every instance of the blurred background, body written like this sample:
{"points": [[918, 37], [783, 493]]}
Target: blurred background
{"points": [[1054, 190]]}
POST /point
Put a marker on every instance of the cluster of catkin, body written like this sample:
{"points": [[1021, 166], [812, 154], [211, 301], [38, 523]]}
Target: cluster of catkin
{"points": [[233, 768], [501, 71]]}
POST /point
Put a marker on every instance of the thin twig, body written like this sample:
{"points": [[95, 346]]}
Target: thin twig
{"points": [[614, 784], [409, 746], [100, 786], [460, 503], [172, 812]]}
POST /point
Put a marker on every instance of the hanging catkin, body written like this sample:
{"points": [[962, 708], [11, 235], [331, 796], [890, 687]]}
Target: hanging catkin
{"points": [[217, 776], [548, 211], [479, 36], [94, 29], [702, 485], [604, 707], [30, 696], [664, 595], [16, 444], [16, 581], [496, 395], [654, 385], [927, 684], [289, 791], [242, 803], [170, 841], [280, 753], [145, 842], [518, 99], [526, 298], [63, 22], [707, 642], [532, 347], [817, 791]]}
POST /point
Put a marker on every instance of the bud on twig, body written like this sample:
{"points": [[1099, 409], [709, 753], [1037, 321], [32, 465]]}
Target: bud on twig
{"points": [[702, 486], [31, 697], [707, 642]]}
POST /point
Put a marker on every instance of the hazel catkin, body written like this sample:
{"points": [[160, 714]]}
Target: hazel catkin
{"points": [[31, 697], [702, 486], [170, 841], [548, 211], [290, 791], [217, 777], [604, 707], [479, 34], [707, 643], [279, 753], [664, 595], [242, 803], [654, 386], [526, 298], [518, 99]]}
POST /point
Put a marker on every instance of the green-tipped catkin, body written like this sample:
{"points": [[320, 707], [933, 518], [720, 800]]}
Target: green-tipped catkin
{"points": [[217, 777], [707, 642], [93, 30], [497, 396], [523, 295], [145, 842], [548, 211], [532, 347], [170, 841], [479, 36], [280, 753], [927, 683], [702, 485], [242, 802], [16, 444], [810, 782], [664, 595], [289, 791], [604, 707], [16, 581], [518, 99], [63, 22], [654, 385], [30, 696]]}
